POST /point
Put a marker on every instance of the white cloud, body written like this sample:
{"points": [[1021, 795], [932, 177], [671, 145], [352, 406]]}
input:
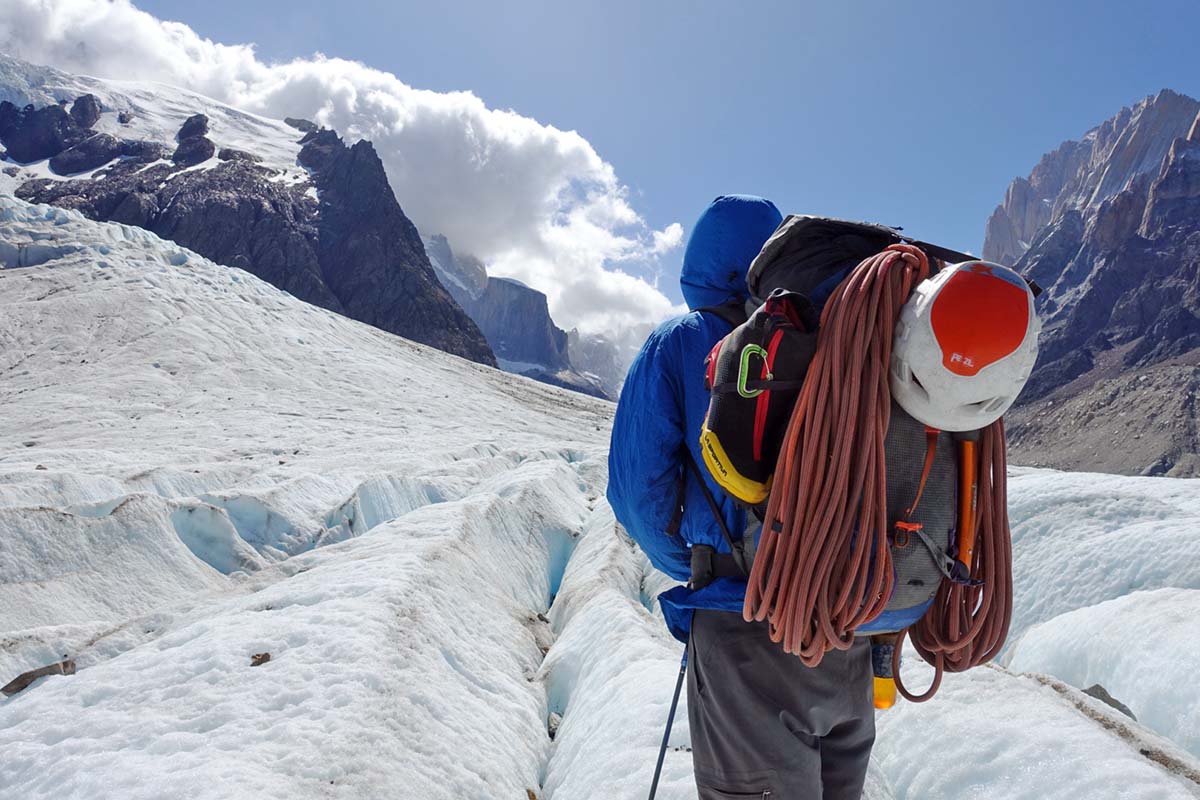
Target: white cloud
{"points": [[668, 238], [532, 201]]}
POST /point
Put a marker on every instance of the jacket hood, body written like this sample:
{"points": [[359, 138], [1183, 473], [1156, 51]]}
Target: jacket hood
{"points": [[724, 241]]}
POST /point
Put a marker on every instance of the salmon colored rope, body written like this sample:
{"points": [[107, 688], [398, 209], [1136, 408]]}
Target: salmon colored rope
{"points": [[967, 625], [823, 565]]}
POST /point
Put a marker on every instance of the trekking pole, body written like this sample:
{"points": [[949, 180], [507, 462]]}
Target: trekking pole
{"points": [[662, 751]]}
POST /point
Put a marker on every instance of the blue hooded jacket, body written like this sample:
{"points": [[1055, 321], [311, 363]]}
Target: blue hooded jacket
{"points": [[662, 407]]}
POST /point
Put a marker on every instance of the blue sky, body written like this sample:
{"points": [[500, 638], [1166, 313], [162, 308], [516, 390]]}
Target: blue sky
{"points": [[915, 114]]}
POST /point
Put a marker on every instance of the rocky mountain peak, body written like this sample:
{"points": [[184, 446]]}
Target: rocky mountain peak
{"points": [[1173, 199], [516, 321], [464, 276], [1110, 226], [1082, 175], [364, 236]]}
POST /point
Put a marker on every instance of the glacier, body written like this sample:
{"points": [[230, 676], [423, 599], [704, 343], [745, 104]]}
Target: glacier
{"points": [[196, 468]]}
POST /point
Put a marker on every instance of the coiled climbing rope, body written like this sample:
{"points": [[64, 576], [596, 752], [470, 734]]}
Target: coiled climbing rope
{"points": [[823, 565], [968, 623]]}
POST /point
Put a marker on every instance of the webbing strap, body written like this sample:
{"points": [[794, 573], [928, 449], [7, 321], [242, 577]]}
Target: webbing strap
{"points": [[732, 311], [931, 443], [953, 569], [734, 551], [906, 526]]}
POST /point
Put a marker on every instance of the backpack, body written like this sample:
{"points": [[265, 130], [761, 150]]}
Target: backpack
{"points": [[749, 402], [754, 376]]}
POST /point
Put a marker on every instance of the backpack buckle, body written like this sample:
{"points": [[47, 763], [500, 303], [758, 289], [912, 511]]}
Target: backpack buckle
{"points": [[702, 566]]}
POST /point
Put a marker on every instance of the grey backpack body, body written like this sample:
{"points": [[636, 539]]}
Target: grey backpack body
{"points": [[919, 559]]}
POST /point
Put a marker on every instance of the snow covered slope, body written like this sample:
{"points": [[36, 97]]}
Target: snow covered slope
{"points": [[284, 426], [196, 468], [1141, 647], [1107, 590], [1080, 539], [155, 111], [201, 415]]}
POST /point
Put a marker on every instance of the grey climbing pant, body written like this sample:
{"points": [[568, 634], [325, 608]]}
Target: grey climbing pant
{"points": [[765, 726]]}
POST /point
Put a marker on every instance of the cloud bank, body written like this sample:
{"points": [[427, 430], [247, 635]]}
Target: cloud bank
{"points": [[533, 202]]}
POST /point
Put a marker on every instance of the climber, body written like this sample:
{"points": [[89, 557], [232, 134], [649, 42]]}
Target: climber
{"points": [[761, 721]]}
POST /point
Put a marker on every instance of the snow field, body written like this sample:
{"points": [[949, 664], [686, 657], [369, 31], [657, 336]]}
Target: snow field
{"points": [[246, 429], [989, 733], [158, 111], [301, 427], [394, 655], [125, 556], [63, 568], [1143, 648], [1080, 539], [610, 675], [1107, 590], [144, 340]]}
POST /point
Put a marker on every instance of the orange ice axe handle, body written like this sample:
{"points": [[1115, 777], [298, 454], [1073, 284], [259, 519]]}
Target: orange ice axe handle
{"points": [[967, 490]]}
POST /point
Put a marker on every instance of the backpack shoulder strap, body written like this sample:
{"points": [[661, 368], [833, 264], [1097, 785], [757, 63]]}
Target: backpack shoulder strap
{"points": [[733, 312], [716, 512]]}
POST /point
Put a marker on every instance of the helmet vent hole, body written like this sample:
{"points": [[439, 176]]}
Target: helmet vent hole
{"points": [[987, 406], [916, 382]]}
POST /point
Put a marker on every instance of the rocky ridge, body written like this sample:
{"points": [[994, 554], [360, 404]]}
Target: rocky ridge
{"points": [[331, 232], [1110, 226], [1083, 174]]}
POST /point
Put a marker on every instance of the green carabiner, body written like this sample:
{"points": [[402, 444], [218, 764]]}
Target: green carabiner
{"points": [[744, 370]]}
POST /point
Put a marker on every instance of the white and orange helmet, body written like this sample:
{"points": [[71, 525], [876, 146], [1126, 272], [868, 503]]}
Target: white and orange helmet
{"points": [[965, 344]]}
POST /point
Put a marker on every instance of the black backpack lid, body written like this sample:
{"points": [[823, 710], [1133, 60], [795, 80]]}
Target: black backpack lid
{"points": [[805, 251]]}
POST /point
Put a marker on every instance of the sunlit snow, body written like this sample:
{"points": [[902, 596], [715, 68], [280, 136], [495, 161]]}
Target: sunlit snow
{"points": [[196, 468]]}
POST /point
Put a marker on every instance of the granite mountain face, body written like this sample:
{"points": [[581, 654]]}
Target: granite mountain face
{"points": [[1110, 227], [516, 320], [308, 213]]}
